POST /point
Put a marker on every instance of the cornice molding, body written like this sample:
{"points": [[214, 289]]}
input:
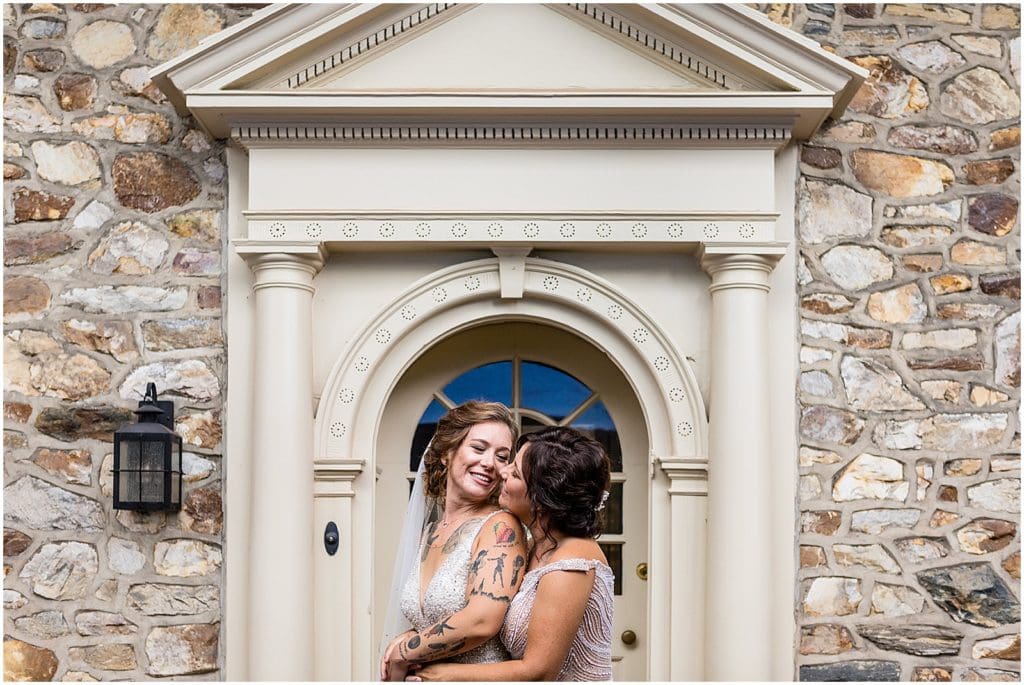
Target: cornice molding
{"points": [[257, 135], [646, 40], [367, 43]]}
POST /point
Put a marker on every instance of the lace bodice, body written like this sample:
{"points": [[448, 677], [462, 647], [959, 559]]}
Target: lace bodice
{"points": [[590, 654], [446, 594]]}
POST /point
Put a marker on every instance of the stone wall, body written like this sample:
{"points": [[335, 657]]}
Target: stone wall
{"points": [[113, 250], [909, 549]]}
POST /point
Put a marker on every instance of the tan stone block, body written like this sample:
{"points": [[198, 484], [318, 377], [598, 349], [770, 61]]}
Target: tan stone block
{"points": [[900, 175], [975, 253], [943, 518], [944, 390], [812, 557], [923, 263], [26, 662], [103, 43], [1000, 17], [982, 396], [903, 304], [108, 657], [820, 522], [25, 297], [950, 283], [890, 92], [1004, 138], [825, 639]]}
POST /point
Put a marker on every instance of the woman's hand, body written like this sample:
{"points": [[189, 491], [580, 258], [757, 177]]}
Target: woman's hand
{"points": [[436, 671], [390, 666]]}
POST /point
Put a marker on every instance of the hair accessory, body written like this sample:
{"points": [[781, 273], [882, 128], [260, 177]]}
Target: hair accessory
{"points": [[604, 498]]}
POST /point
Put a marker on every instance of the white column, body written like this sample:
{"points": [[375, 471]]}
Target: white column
{"points": [[739, 588], [281, 641], [687, 491]]}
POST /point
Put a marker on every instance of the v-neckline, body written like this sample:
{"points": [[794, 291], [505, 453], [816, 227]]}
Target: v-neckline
{"points": [[421, 591]]}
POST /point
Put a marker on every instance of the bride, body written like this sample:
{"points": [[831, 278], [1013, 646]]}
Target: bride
{"points": [[457, 569]]}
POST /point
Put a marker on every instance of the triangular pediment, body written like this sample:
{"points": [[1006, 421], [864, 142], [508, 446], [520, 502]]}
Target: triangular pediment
{"points": [[508, 46], [364, 62], [513, 47]]}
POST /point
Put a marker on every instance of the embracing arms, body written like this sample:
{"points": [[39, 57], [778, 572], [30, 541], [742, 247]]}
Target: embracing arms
{"points": [[557, 613], [497, 567]]}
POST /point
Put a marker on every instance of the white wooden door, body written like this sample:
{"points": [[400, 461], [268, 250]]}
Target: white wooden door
{"points": [[548, 376]]}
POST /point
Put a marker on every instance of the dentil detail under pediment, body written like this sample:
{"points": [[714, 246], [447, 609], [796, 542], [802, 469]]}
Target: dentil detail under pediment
{"points": [[512, 47]]}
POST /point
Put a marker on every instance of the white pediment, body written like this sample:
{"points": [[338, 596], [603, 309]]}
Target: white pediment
{"points": [[368, 63], [514, 47]]}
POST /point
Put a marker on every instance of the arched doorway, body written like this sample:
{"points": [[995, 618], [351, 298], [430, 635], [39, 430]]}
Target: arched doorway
{"points": [[548, 376]]}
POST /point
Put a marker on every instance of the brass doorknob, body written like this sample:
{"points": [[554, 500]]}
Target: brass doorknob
{"points": [[641, 570], [628, 637]]}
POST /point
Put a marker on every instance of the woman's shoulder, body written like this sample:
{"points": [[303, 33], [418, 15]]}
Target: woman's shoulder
{"points": [[500, 527], [585, 549]]}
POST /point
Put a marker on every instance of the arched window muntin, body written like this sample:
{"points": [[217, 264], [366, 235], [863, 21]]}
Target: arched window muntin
{"points": [[530, 389]]}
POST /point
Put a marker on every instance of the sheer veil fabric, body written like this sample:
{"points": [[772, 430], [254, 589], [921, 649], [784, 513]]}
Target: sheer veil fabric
{"points": [[416, 515]]}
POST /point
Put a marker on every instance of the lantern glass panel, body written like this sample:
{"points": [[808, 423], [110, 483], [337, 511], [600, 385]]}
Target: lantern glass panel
{"points": [[176, 471], [154, 460], [128, 476]]}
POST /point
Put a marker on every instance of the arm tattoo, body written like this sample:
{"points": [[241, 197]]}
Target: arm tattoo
{"points": [[414, 641], [504, 534], [499, 568], [440, 628], [474, 568], [479, 591], [517, 566], [457, 537], [432, 536]]}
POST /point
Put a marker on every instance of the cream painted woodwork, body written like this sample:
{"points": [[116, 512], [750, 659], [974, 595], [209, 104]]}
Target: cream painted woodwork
{"points": [[571, 167], [553, 346]]}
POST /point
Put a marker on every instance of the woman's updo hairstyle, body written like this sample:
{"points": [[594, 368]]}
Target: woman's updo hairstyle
{"points": [[451, 430], [567, 476]]}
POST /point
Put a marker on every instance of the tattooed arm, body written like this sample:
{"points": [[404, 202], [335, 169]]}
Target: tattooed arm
{"points": [[557, 613], [496, 563]]}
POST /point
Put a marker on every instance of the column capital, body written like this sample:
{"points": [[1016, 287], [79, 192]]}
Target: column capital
{"points": [[686, 476], [309, 253], [282, 264], [740, 265], [334, 477]]}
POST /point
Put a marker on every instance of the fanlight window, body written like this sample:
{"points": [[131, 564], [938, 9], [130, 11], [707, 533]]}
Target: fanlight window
{"points": [[539, 396]]}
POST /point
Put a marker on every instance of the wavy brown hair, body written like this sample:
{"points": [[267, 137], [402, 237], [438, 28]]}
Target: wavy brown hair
{"points": [[567, 475], [451, 430]]}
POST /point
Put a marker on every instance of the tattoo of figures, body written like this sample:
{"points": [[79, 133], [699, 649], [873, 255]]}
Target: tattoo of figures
{"points": [[517, 566], [455, 538], [504, 534], [499, 568]]}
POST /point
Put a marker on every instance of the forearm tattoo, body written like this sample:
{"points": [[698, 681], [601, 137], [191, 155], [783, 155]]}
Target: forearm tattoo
{"points": [[437, 650]]}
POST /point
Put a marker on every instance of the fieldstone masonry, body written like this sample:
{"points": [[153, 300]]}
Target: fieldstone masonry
{"points": [[113, 249], [909, 473], [909, 542]]}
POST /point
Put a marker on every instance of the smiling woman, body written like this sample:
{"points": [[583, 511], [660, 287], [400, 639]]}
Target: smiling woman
{"points": [[470, 553]]}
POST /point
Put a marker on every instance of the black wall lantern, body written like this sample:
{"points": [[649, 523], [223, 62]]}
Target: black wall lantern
{"points": [[147, 459]]}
